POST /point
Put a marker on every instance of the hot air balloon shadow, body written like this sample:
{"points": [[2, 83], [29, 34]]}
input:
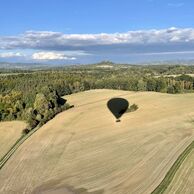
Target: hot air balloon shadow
{"points": [[118, 107]]}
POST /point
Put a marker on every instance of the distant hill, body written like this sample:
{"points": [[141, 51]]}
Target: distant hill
{"points": [[170, 62], [102, 65], [6, 65]]}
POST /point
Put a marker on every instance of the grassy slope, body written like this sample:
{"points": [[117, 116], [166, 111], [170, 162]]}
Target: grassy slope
{"points": [[85, 148], [10, 132]]}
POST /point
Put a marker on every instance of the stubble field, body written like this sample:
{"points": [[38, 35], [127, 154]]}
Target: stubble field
{"points": [[10, 132], [83, 150]]}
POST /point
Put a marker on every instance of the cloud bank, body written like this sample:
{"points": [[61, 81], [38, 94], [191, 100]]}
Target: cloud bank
{"points": [[48, 45], [57, 41], [51, 56]]}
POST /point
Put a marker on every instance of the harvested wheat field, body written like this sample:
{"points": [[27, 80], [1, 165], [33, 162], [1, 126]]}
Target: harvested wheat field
{"points": [[184, 178], [10, 132], [84, 151]]}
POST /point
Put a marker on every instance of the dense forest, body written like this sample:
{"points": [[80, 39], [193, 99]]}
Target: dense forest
{"points": [[35, 96]]}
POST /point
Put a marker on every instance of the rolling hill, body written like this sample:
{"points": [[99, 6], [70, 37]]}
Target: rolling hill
{"points": [[83, 150]]}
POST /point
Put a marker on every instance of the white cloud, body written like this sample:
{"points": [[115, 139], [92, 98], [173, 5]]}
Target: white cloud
{"points": [[51, 56], [44, 40], [11, 55], [48, 45]]}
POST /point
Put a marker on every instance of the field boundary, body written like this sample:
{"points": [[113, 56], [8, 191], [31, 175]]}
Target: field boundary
{"points": [[15, 146], [21, 140], [174, 168]]}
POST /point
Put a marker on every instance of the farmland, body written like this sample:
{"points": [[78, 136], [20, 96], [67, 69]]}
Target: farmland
{"points": [[10, 132], [184, 178], [84, 150]]}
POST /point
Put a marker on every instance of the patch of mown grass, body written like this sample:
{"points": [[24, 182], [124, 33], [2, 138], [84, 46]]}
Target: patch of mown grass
{"points": [[171, 173]]}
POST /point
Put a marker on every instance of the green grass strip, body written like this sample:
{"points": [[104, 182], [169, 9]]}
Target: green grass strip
{"points": [[171, 173]]}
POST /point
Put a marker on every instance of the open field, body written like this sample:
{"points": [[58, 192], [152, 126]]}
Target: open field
{"points": [[10, 132], [184, 178], [83, 150]]}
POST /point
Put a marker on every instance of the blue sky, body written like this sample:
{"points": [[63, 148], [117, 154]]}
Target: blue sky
{"points": [[84, 31]]}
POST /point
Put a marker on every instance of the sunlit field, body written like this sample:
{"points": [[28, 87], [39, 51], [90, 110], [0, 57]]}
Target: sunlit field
{"points": [[84, 148]]}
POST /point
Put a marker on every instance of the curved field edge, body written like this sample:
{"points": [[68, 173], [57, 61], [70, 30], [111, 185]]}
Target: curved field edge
{"points": [[161, 188], [17, 144], [10, 132], [14, 147]]}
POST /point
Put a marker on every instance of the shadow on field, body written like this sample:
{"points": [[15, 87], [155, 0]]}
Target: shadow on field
{"points": [[118, 106], [61, 101]]}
